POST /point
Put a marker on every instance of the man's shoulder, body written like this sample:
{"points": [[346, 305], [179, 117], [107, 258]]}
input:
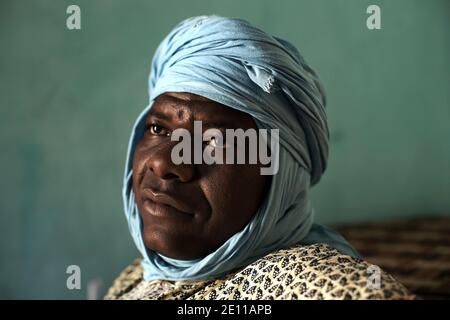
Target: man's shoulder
{"points": [[315, 271], [126, 281], [319, 271]]}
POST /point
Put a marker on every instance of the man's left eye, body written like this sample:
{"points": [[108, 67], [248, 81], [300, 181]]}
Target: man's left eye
{"points": [[158, 130], [214, 142]]}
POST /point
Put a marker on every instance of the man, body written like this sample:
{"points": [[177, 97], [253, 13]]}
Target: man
{"points": [[224, 230]]}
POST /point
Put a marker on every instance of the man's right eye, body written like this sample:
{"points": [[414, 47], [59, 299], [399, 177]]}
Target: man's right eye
{"points": [[158, 130]]}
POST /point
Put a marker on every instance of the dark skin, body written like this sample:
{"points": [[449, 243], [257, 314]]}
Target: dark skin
{"points": [[189, 210]]}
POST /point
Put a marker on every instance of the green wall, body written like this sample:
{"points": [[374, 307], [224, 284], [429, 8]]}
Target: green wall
{"points": [[68, 100]]}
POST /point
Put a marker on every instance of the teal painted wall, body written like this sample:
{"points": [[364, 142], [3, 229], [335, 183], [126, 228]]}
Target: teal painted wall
{"points": [[68, 100]]}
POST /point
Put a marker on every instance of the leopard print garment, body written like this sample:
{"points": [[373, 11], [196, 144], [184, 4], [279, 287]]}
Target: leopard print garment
{"points": [[300, 272]]}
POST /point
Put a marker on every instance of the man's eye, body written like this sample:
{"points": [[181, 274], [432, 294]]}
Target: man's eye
{"points": [[214, 142], [158, 130]]}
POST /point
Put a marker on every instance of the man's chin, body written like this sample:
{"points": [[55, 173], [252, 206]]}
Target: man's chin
{"points": [[174, 247]]}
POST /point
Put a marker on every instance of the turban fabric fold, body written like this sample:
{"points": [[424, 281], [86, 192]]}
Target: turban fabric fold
{"points": [[236, 64]]}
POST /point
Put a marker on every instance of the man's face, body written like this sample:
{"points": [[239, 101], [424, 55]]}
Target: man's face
{"points": [[189, 210]]}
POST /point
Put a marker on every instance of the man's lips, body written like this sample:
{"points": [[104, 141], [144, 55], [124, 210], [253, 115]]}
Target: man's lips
{"points": [[162, 204]]}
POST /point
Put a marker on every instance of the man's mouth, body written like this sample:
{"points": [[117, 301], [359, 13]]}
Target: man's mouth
{"points": [[163, 205]]}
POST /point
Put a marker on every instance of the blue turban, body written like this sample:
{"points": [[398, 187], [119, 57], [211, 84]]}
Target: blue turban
{"points": [[235, 64]]}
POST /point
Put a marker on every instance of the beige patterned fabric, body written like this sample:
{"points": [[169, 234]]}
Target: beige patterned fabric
{"points": [[300, 272]]}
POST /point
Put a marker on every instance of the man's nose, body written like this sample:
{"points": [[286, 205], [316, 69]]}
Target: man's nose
{"points": [[160, 163]]}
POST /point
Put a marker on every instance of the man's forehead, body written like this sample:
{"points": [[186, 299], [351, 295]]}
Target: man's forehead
{"points": [[189, 107], [185, 96], [188, 103]]}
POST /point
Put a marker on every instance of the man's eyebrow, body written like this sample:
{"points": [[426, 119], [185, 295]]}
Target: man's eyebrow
{"points": [[218, 124], [177, 106], [205, 123], [159, 115]]}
